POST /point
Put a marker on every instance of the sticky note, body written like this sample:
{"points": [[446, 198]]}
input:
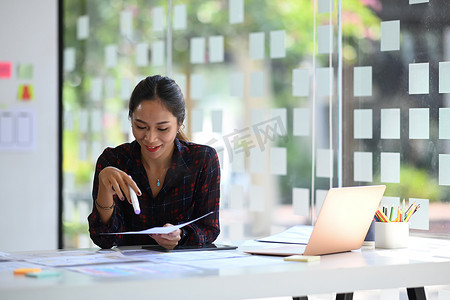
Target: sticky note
{"points": [[419, 78], [158, 53], [418, 1], [300, 82], [5, 69], [390, 36], [362, 123], [111, 56], [444, 123], [23, 271], [421, 218], [7, 128], [257, 198], [390, 123], [142, 54], [390, 167], [236, 11], [362, 81], [419, 123], [325, 6], [320, 198], [238, 160], [325, 39], [257, 84], [158, 21], [257, 161], [197, 120], [197, 86], [280, 116], [302, 258], [237, 84], [197, 50], [25, 92], [179, 17], [256, 45], [69, 60], [237, 196], [300, 201], [363, 166], [126, 23], [96, 89], [277, 44], [324, 161], [216, 49], [444, 169], [24, 129], [278, 161], [324, 81], [83, 27], [216, 118], [25, 71], [444, 77], [301, 123], [43, 274]]}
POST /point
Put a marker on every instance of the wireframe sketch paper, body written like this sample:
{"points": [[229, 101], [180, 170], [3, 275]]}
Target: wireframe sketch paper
{"points": [[159, 230], [298, 234]]}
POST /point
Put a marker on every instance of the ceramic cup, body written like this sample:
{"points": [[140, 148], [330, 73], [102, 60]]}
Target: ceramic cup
{"points": [[391, 235]]}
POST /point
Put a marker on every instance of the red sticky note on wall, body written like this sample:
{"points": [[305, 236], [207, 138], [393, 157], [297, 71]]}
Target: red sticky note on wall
{"points": [[5, 69], [25, 92]]}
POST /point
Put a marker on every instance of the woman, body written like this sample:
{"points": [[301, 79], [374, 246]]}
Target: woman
{"points": [[176, 181]]}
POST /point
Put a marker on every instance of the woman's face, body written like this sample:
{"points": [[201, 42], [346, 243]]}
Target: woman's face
{"points": [[154, 128]]}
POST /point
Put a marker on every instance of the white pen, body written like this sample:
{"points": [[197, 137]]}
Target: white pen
{"points": [[134, 200]]}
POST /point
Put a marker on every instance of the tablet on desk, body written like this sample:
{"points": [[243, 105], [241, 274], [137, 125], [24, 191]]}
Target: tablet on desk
{"points": [[210, 247]]}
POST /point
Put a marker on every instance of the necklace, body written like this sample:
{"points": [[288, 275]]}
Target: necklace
{"points": [[158, 183]]}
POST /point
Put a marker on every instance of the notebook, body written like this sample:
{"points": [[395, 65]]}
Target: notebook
{"points": [[342, 224]]}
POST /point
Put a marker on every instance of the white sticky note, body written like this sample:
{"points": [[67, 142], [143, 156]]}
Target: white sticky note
{"points": [[179, 17], [125, 123], [96, 89], [158, 53], [418, 1], [257, 198], [444, 123], [300, 82], [390, 201], [390, 123], [300, 201], [419, 78], [325, 39], [83, 27], [362, 81], [324, 81], [96, 121], [83, 121], [238, 162], [142, 54], [257, 84], [24, 129], [257, 116], [96, 150], [280, 114], [197, 50], [197, 120], [324, 163], [390, 167], [126, 23], [82, 150], [390, 36], [444, 77], [362, 123], [216, 49], [110, 87], [277, 44], [256, 47], [362, 166], [237, 84], [180, 79], [325, 6], [419, 123], [69, 59], [421, 218], [257, 161], [125, 89], [320, 198], [111, 56], [197, 86], [236, 11], [68, 120], [216, 118], [278, 161], [444, 169], [301, 122], [158, 20]]}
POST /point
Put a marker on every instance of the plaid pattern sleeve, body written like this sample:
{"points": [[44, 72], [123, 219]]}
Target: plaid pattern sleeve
{"points": [[191, 189]]}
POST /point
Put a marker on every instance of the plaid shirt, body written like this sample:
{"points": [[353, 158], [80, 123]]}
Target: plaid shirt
{"points": [[191, 189]]}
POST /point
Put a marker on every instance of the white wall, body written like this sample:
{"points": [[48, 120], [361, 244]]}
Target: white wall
{"points": [[29, 178]]}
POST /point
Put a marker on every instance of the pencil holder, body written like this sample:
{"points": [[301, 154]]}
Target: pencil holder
{"points": [[391, 235]]}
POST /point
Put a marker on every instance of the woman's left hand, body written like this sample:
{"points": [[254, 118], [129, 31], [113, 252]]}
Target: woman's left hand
{"points": [[169, 240]]}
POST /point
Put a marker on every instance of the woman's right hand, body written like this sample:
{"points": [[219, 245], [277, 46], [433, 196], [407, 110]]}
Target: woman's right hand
{"points": [[114, 181]]}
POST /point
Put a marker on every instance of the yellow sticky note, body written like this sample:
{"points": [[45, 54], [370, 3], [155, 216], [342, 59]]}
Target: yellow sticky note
{"points": [[303, 258]]}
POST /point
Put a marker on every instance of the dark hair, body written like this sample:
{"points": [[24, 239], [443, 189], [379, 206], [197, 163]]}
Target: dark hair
{"points": [[162, 88]]}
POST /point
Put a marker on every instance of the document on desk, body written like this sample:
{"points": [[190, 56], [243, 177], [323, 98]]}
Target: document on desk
{"points": [[159, 230], [298, 234]]}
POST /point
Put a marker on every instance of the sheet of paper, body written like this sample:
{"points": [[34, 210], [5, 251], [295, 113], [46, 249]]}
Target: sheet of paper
{"points": [[160, 230], [298, 234]]}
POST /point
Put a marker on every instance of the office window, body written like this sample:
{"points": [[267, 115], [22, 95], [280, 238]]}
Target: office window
{"points": [[291, 109]]}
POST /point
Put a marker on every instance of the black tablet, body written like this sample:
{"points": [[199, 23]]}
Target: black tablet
{"points": [[210, 247]]}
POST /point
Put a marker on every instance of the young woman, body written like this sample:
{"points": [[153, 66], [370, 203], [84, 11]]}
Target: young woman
{"points": [[176, 181]]}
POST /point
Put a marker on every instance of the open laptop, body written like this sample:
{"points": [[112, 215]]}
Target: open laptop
{"points": [[342, 224]]}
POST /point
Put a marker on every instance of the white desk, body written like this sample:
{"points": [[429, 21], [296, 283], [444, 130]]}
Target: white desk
{"points": [[425, 263]]}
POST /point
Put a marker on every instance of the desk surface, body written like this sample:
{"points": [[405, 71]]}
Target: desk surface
{"points": [[233, 275]]}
